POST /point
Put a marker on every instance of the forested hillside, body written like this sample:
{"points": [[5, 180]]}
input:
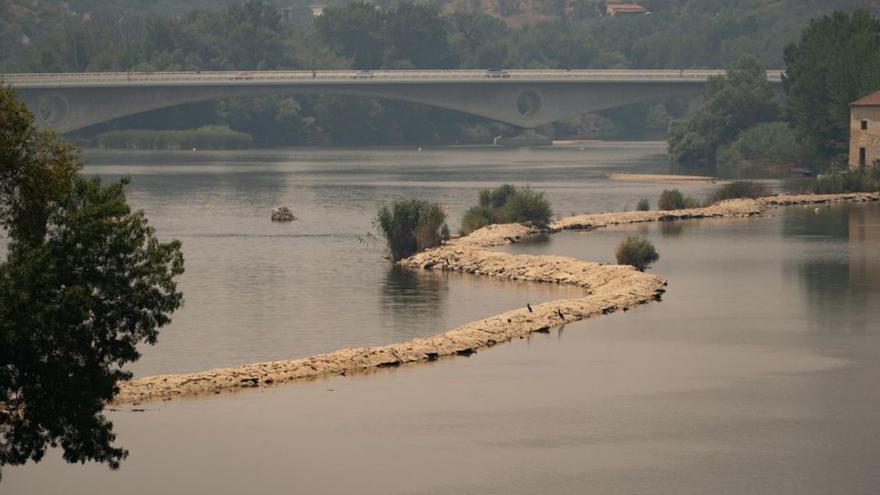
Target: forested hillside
{"points": [[161, 35]]}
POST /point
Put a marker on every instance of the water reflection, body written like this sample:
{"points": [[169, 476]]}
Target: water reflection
{"points": [[408, 294], [841, 274], [257, 290], [673, 229]]}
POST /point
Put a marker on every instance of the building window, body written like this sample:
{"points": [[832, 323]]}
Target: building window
{"points": [[862, 157], [864, 125]]}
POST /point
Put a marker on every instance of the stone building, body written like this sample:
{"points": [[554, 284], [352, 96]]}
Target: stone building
{"points": [[864, 141]]}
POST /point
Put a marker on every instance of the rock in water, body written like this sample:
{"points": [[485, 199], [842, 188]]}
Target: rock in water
{"points": [[282, 214]]}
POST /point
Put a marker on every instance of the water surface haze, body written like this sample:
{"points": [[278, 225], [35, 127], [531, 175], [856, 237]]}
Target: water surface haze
{"points": [[257, 290], [733, 384], [757, 373]]}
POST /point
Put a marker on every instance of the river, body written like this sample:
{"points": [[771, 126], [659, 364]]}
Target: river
{"points": [[756, 374], [256, 290]]}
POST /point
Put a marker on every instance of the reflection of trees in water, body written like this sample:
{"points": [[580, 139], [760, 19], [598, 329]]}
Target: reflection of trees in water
{"points": [[839, 281], [412, 297], [673, 228], [806, 224]]}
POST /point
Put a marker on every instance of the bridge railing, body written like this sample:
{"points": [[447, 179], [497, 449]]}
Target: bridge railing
{"points": [[113, 78]]}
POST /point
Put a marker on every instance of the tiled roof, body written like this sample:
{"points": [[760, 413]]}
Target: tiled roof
{"points": [[625, 8], [872, 100]]}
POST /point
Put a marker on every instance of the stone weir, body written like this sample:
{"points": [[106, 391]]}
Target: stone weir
{"points": [[607, 288]]}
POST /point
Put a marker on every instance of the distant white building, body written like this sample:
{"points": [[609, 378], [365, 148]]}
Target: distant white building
{"points": [[612, 9], [318, 9]]}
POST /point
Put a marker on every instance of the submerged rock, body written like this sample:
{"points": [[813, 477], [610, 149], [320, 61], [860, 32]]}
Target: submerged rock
{"points": [[282, 213]]}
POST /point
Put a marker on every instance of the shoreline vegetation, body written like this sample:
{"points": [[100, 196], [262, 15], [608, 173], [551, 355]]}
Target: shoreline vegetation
{"points": [[212, 137], [608, 288]]}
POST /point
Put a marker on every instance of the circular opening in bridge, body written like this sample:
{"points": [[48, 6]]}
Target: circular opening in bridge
{"points": [[528, 103], [52, 109]]}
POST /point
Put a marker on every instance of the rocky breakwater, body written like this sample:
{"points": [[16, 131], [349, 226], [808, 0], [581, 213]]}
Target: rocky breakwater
{"points": [[730, 209], [607, 288]]}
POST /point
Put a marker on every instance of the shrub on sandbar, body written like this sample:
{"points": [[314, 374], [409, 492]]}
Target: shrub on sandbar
{"points": [[643, 205], [410, 226], [636, 251], [674, 200], [739, 189], [507, 204]]}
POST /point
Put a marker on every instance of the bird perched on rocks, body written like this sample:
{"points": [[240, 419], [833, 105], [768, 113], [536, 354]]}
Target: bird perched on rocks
{"points": [[561, 316], [530, 307]]}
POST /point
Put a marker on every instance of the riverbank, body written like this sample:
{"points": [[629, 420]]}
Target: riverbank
{"points": [[607, 288], [666, 178], [208, 137]]}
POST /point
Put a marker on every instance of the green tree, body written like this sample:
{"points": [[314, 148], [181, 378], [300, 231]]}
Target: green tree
{"points": [[84, 281], [479, 41], [270, 120], [766, 150], [417, 34], [731, 103], [836, 61], [355, 31], [254, 36]]}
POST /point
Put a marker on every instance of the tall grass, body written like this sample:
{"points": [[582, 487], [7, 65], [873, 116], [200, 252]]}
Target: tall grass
{"points": [[410, 226], [208, 137]]}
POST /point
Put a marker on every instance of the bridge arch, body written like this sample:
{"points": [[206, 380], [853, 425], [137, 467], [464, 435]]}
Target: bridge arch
{"points": [[526, 99]]}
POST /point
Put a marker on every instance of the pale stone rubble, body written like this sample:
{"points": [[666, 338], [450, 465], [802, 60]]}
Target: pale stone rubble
{"points": [[666, 178], [730, 208], [607, 288]]}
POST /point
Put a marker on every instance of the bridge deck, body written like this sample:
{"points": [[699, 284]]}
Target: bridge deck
{"points": [[218, 78]]}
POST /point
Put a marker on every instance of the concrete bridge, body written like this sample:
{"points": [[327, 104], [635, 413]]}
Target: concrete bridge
{"points": [[523, 98]]}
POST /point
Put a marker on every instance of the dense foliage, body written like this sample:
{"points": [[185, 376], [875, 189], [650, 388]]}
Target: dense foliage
{"points": [[673, 199], [731, 103], [637, 252], [410, 226], [84, 281], [766, 150], [850, 181], [835, 62], [208, 137], [507, 204]]}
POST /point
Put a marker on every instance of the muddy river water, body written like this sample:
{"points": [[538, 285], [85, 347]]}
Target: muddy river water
{"points": [[756, 374]]}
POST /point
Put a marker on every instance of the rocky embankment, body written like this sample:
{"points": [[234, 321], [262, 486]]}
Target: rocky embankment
{"points": [[607, 288], [731, 208]]}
